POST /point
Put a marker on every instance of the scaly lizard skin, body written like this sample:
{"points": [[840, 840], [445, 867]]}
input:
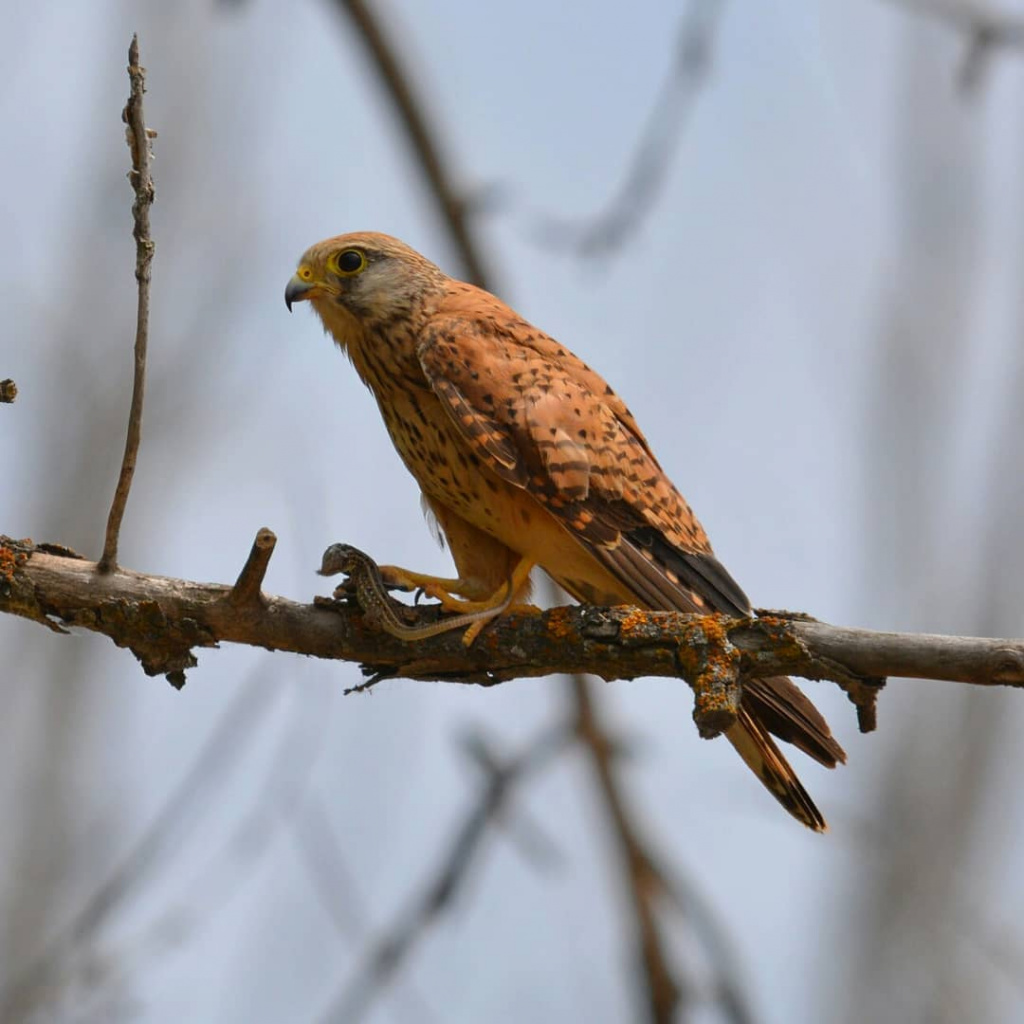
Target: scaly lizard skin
{"points": [[372, 595]]}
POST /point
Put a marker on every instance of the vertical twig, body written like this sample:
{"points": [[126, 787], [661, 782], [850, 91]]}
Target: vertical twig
{"points": [[142, 183]]}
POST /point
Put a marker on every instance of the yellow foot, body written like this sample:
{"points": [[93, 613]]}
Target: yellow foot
{"points": [[440, 589], [482, 605], [489, 615], [474, 630]]}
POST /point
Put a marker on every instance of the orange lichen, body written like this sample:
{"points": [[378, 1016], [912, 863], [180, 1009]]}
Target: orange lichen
{"points": [[559, 623], [633, 620], [9, 561], [711, 665]]}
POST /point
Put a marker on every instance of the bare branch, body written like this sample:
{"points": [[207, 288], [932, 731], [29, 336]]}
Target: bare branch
{"points": [[653, 890], [8, 390], [529, 838], [142, 184], [335, 887], [161, 620]]}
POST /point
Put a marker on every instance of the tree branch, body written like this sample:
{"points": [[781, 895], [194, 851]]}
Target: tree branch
{"points": [[142, 183], [161, 620]]}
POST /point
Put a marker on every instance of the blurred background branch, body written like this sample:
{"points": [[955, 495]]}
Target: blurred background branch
{"points": [[609, 231], [413, 118], [438, 893], [238, 727], [985, 28]]}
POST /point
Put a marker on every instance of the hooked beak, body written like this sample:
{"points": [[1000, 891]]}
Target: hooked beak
{"points": [[296, 291]]}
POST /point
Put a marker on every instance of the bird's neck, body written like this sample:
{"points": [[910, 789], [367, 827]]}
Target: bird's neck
{"points": [[382, 350]]}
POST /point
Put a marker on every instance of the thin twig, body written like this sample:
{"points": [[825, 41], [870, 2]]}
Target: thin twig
{"points": [[247, 587], [727, 989], [423, 138], [438, 893], [651, 887], [330, 876], [142, 184]]}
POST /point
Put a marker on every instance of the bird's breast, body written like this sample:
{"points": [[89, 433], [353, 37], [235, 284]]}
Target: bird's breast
{"points": [[438, 457], [453, 476]]}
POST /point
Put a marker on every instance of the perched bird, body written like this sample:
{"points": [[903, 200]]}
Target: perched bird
{"points": [[526, 457]]}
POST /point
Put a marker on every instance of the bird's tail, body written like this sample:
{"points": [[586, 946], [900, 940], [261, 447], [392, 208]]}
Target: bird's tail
{"points": [[754, 744]]}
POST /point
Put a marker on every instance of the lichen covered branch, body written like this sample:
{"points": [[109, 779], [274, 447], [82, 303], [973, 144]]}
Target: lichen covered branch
{"points": [[164, 620]]}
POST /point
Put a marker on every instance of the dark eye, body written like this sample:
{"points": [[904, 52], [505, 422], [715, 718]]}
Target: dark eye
{"points": [[350, 261]]}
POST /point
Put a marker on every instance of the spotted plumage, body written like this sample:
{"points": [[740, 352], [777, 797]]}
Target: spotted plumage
{"points": [[525, 455]]}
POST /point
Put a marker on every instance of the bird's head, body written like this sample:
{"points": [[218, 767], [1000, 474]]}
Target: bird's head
{"points": [[361, 280]]}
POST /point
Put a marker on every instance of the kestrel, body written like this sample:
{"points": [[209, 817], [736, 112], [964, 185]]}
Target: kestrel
{"points": [[526, 457]]}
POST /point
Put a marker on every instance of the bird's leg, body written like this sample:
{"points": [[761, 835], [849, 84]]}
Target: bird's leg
{"points": [[501, 601]]}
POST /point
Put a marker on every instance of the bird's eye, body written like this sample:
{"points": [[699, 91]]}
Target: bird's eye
{"points": [[350, 261]]}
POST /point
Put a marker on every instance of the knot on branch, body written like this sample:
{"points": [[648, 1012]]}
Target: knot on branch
{"points": [[162, 647], [712, 665], [1008, 666], [781, 631]]}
